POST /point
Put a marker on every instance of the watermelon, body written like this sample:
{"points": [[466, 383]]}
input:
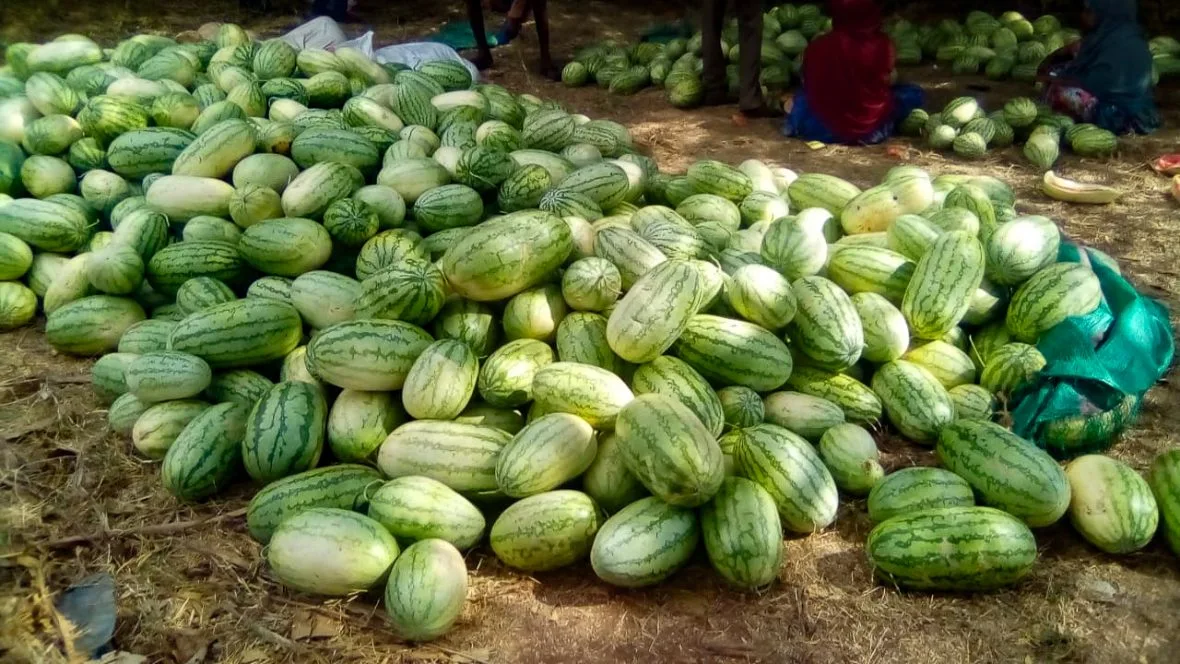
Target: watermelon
{"points": [[420, 508], [972, 402], [507, 376], [570, 519], [916, 402], [412, 291], [806, 415], [741, 406], [116, 270], [285, 432], [462, 456], [851, 455], [343, 486], [950, 366], [313, 190], [441, 381], [1052, 295], [123, 413], [160, 424], [366, 354], [91, 325], [503, 257], [789, 468], [330, 551], [146, 337], [358, 422], [886, 334], [655, 311], [604, 183], [743, 535], [388, 248], [938, 294], [1111, 505], [761, 295], [469, 322], [952, 548], [239, 333], [534, 314], [426, 590], [588, 284], [709, 176], [215, 152], [1006, 471], [167, 375], [182, 197], [734, 352], [545, 454], [589, 392], [1020, 248], [108, 375], [916, 489], [644, 543], [608, 481], [826, 327], [241, 385], [324, 298], [794, 247], [1164, 479], [271, 288], [812, 190], [549, 130], [207, 454], [655, 426]]}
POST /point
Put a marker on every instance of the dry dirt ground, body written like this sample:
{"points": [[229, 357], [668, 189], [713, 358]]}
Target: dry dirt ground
{"points": [[197, 593]]}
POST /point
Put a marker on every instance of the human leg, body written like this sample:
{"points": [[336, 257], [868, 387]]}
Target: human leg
{"points": [[541, 15], [712, 22], [483, 56], [750, 63]]}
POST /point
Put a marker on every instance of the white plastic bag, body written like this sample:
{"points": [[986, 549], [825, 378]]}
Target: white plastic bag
{"points": [[323, 32]]}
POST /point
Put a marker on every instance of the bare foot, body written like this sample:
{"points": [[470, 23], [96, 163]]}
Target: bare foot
{"points": [[550, 70]]}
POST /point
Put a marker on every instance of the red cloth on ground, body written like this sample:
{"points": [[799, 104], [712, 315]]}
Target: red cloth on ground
{"points": [[846, 72]]}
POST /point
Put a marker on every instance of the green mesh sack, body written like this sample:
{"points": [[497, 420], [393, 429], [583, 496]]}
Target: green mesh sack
{"points": [[1098, 368]]}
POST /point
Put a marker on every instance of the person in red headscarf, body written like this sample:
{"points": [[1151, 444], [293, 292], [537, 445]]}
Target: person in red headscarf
{"points": [[848, 93]]}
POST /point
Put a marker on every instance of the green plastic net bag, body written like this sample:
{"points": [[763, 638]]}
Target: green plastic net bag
{"points": [[1098, 367]]}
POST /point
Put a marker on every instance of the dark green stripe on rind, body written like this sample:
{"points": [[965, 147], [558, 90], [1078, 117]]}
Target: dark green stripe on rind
{"points": [[416, 508], [917, 404], [546, 531], [939, 293], [915, 489], [1049, 297], [366, 354], [240, 333], [673, 377], [207, 454]]}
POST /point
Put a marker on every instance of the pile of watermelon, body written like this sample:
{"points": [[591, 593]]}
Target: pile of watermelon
{"points": [[1005, 46], [418, 314], [676, 65], [967, 129]]}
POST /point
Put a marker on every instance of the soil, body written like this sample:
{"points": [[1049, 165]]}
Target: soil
{"points": [[198, 592]]}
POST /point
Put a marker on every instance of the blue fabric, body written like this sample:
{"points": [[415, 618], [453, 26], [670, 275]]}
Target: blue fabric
{"points": [[1114, 64], [804, 124]]}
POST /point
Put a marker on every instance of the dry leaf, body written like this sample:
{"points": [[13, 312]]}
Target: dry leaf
{"points": [[254, 655], [309, 625]]}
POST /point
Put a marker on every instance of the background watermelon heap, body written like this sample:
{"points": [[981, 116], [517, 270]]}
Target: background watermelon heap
{"points": [[964, 127], [676, 65], [417, 313]]}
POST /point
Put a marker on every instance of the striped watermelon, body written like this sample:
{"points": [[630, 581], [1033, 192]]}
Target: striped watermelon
{"points": [[1020, 248], [1111, 505], [817, 190], [239, 333], [200, 293], [886, 334], [604, 183], [359, 421], [734, 352], [762, 296], [789, 468], [644, 543], [917, 404], [507, 376], [570, 522], [590, 284], [207, 454], [654, 426], [608, 481], [534, 314], [167, 375], [940, 290], [972, 402], [108, 375], [410, 290], [868, 269], [441, 381], [826, 327], [1049, 297], [214, 153], [916, 489], [1164, 479], [1006, 471], [469, 322], [596, 395], [241, 385], [285, 432], [342, 486], [330, 551], [91, 325], [116, 269], [419, 508], [366, 354], [44, 225], [505, 256], [627, 250], [949, 365], [741, 405], [545, 454], [158, 427], [426, 590], [389, 248], [952, 548], [146, 337], [313, 190], [794, 247], [806, 415], [461, 456], [549, 130], [743, 535], [672, 377], [581, 337], [285, 247], [655, 311]]}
